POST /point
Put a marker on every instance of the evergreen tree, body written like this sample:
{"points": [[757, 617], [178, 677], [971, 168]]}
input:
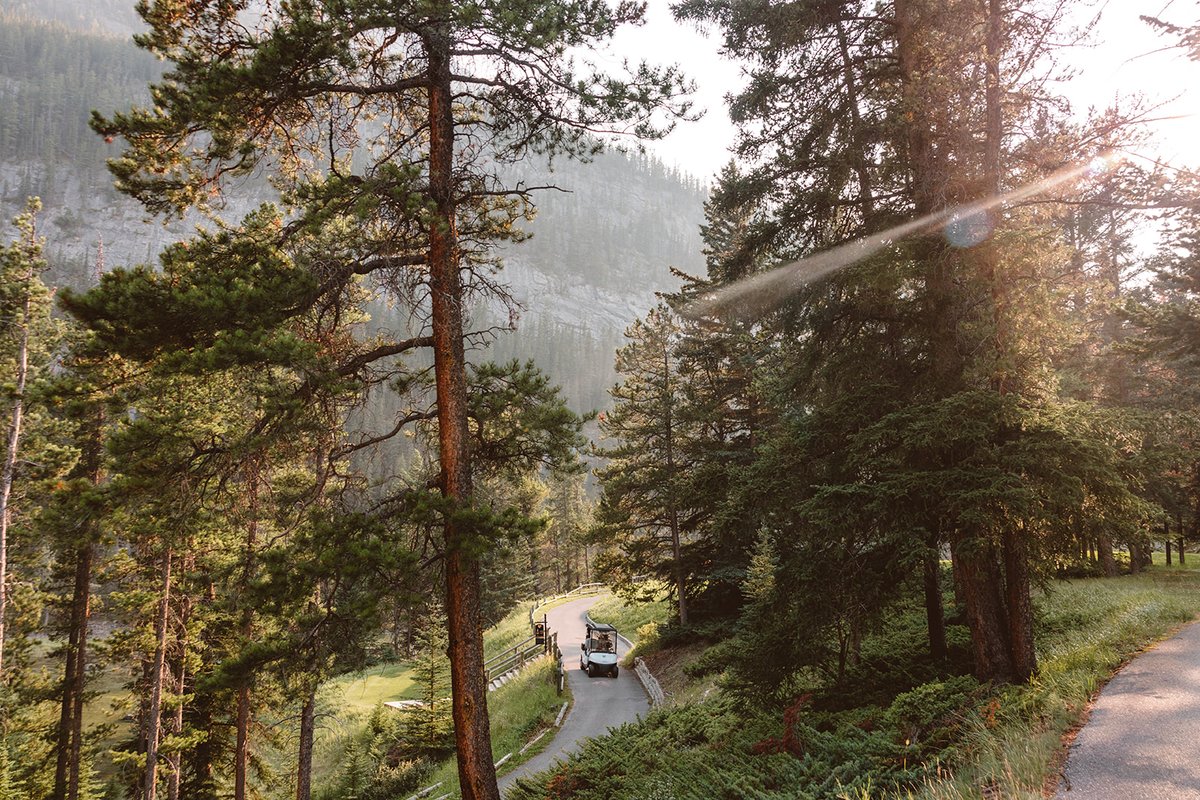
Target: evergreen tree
{"points": [[302, 80], [641, 507], [29, 341]]}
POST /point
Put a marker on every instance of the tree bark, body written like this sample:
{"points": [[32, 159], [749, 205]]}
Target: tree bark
{"points": [[477, 775], [175, 759], [1107, 563], [1020, 605], [934, 615], [672, 506], [980, 577], [304, 759], [70, 726], [1167, 542], [241, 753], [154, 724], [201, 784]]}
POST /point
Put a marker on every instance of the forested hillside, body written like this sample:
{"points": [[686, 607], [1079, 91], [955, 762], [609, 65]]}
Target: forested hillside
{"points": [[600, 248]]}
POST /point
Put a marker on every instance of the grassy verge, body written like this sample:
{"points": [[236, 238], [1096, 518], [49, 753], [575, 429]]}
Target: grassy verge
{"points": [[631, 617], [356, 729], [1088, 629], [946, 739], [518, 710]]}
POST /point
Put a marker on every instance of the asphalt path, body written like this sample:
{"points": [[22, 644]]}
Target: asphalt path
{"points": [[1142, 739], [600, 703]]}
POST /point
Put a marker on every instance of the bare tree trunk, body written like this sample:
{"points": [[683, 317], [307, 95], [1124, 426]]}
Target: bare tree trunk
{"points": [[154, 724], [12, 446], [1020, 605], [175, 759], [934, 615], [70, 722], [304, 759], [241, 754], [1167, 542], [980, 576], [477, 775], [1107, 563]]}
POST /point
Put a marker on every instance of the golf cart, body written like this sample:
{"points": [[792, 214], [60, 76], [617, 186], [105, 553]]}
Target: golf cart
{"points": [[599, 650]]}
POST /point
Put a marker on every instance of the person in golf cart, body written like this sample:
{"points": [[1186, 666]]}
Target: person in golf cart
{"points": [[599, 648]]}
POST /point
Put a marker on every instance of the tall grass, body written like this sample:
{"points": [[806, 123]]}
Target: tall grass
{"points": [[972, 742], [1086, 630], [630, 616]]}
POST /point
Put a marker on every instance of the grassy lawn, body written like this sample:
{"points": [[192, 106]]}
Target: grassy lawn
{"points": [[360, 692], [517, 710]]}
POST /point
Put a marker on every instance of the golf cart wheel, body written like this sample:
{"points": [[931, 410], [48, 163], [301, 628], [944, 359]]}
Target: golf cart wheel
{"points": [[591, 670], [616, 671]]}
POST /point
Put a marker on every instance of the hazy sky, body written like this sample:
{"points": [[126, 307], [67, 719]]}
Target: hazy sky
{"points": [[1121, 64]]}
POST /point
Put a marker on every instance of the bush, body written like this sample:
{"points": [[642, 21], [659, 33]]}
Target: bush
{"points": [[930, 716]]}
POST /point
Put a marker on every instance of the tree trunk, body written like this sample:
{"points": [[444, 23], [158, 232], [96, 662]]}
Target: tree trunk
{"points": [[934, 615], [241, 753], [1107, 562], [157, 676], [1020, 605], [304, 759], [477, 775], [980, 577], [1167, 542], [1135, 558], [1181, 551], [69, 725], [859, 157], [241, 748], [179, 672], [12, 446]]}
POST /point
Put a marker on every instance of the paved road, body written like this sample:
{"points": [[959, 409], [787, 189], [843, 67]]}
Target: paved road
{"points": [[600, 703], [1143, 737]]}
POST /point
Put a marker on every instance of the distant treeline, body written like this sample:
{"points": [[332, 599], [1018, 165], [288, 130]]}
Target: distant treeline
{"points": [[50, 80]]}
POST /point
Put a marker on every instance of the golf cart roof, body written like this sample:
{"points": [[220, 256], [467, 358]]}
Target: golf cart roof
{"points": [[601, 626]]}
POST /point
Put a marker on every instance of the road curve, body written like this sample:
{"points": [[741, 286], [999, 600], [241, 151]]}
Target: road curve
{"points": [[1143, 736], [600, 703]]}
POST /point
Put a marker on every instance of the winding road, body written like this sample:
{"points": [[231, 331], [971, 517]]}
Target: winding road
{"points": [[600, 703], [1143, 735]]}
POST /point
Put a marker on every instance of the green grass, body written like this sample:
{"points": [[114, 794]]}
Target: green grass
{"points": [[1088, 629], [350, 700], [361, 692], [518, 711], [998, 742], [630, 616]]}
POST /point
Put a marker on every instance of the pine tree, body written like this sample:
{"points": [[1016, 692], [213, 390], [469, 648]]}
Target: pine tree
{"points": [[416, 205], [641, 506]]}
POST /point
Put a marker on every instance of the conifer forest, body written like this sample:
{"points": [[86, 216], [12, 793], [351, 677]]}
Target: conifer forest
{"points": [[358, 358]]}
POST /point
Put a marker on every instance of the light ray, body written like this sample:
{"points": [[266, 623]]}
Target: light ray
{"points": [[758, 294]]}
